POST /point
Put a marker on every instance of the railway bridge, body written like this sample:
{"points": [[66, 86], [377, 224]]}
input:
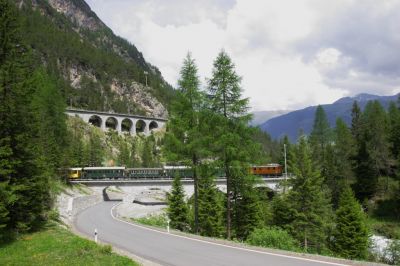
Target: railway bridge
{"points": [[166, 184], [122, 123]]}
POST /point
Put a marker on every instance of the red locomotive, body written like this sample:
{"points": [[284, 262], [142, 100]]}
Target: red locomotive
{"points": [[272, 169]]}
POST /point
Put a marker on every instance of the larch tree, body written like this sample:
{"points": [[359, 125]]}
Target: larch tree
{"points": [[185, 136], [351, 235], [231, 139]]}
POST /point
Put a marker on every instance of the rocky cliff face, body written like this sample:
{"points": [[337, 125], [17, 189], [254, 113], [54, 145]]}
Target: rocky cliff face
{"points": [[101, 65], [80, 15]]}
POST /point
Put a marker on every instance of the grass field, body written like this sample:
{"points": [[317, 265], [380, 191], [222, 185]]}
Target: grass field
{"points": [[153, 220], [57, 246]]}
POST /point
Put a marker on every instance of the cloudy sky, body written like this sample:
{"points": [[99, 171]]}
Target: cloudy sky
{"points": [[290, 54]]}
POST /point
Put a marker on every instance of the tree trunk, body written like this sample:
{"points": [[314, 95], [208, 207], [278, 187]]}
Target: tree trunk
{"points": [[228, 203], [196, 195], [305, 242]]}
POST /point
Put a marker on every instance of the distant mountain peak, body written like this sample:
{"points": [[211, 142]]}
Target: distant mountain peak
{"points": [[366, 97], [362, 97]]}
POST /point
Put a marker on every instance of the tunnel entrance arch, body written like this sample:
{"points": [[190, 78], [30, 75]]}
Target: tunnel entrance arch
{"points": [[95, 120], [112, 123]]}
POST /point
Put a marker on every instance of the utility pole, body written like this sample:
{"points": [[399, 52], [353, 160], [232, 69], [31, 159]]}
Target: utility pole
{"points": [[145, 74], [284, 187]]}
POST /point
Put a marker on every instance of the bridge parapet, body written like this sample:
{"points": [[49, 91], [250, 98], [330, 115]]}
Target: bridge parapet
{"points": [[122, 123], [272, 183]]}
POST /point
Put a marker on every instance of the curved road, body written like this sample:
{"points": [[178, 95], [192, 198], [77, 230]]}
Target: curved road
{"points": [[169, 249]]}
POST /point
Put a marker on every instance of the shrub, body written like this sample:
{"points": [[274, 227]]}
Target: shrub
{"points": [[153, 220], [273, 238], [106, 249], [392, 253]]}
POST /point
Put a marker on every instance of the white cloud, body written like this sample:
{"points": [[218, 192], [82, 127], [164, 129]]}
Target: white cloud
{"points": [[290, 53]]}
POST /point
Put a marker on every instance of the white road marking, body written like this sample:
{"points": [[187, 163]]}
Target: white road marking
{"points": [[222, 245], [70, 204]]}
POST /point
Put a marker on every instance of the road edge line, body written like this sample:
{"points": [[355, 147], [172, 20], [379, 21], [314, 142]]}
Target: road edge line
{"points": [[223, 245]]}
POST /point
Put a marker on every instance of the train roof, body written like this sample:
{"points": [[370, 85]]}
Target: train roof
{"points": [[144, 168], [268, 165], [176, 167], [75, 168], [105, 168]]}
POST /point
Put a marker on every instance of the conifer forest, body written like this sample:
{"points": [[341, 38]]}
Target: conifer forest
{"points": [[343, 182]]}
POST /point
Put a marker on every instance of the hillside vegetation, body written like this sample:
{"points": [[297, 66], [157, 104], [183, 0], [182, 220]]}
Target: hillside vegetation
{"points": [[90, 146], [94, 69]]}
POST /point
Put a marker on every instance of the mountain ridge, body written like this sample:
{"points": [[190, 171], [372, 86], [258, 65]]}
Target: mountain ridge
{"points": [[292, 123]]}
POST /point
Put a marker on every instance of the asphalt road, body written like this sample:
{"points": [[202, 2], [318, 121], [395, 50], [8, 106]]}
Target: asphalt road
{"points": [[169, 249]]}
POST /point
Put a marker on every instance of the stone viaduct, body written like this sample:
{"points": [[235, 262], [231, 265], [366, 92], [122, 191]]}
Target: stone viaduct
{"points": [[122, 123]]}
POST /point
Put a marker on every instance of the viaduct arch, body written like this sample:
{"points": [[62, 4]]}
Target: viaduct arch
{"points": [[122, 123]]}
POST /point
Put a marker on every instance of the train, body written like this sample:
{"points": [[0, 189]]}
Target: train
{"points": [[165, 172]]}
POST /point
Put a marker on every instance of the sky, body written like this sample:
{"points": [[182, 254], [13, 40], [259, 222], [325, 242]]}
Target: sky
{"points": [[290, 54]]}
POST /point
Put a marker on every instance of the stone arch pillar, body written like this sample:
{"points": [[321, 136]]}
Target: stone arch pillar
{"points": [[103, 122], [133, 128], [147, 128], [119, 126], [84, 117], [161, 124]]}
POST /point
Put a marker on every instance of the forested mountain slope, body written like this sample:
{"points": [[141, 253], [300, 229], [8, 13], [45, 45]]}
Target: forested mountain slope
{"points": [[94, 68]]}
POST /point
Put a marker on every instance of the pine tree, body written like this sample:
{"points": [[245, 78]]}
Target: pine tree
{"points": [[339, 160], [351, 236], [283, 214], [177, 209], [344, 150], [24, 175], [49, 109], [394, 136], [320, 138], [376, 130], [373, 157], [309, 200], [246, 204], [356, 124], [185, 137], [211, 204], [232, 138]]}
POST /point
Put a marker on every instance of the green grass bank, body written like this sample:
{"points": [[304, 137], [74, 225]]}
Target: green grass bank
{"points": [[57, 246]]}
